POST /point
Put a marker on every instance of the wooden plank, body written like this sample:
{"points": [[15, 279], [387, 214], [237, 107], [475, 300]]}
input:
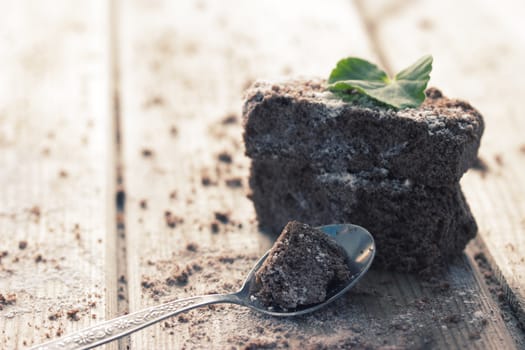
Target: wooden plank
{"points": [[477, 48], [189, 232], [55, 154]]}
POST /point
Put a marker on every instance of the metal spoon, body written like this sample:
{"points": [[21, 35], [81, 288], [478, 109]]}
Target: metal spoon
{"points": [[355, 240]]}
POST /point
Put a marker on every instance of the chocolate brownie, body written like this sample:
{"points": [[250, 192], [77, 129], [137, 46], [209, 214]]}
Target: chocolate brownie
{"points": [[416, 227], [321, 160], [433, 144], [302, 268]]}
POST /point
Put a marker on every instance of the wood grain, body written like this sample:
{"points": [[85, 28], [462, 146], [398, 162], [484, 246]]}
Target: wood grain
{"points": [[55, 155], [184, 66], [478, 51]]}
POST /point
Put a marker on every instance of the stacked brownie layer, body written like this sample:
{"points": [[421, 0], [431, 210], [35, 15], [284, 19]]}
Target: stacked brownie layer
{"points": [[320, 160]]}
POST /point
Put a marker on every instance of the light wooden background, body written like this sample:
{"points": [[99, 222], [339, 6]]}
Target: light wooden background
{"points": [[107, 105]]}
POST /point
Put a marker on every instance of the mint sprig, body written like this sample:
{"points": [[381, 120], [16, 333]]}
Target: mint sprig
{"points": [[354, 78]]}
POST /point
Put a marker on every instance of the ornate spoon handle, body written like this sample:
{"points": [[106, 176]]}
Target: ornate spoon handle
{"points": [[118, 327]]}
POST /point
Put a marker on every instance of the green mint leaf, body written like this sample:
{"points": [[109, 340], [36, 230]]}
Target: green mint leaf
{"points": [[405, 90]]}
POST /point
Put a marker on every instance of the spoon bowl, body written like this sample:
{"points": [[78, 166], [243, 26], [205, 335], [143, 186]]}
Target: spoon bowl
{"points": [[357, 242], [359, 246]]}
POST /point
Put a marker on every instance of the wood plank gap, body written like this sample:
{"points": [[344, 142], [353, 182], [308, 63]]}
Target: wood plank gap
{"points": [[486, 268], [121, 277]]}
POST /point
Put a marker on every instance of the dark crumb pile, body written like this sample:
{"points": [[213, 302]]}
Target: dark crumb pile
{"points": [[302, 267], [8, 299]]}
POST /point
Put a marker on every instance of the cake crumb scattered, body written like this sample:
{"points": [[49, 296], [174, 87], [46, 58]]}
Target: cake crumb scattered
{"points": [[234, 182], [192, 247], [22, 245], [172, 220], [230, 119], [72, 314], [8, 299], [225, 157], [54, 316], [40, 259], [214, 227], [223, 218], [499, 159], [35, 210], [146, 153]]}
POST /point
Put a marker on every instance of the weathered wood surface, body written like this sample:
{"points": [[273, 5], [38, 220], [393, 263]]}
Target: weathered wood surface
{"points": [[478, 51], [55, 152], [183, 67], [187, 227]]}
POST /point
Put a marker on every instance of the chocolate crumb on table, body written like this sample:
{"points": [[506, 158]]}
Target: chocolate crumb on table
{"points": [[302, 268], [223, 218], [225, 157], [171, 219], [146, 153], [72, 314], [230, 119], [7, 299]]}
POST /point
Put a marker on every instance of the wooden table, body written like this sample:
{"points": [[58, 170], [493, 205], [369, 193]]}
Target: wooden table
{"points": [[116, 194]]}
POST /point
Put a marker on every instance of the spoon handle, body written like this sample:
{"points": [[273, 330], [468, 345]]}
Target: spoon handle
{"points": [[118, 327]]}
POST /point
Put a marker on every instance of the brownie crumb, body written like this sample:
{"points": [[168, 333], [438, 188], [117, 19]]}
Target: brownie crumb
{"points": [[3, 254], [173, 195], [22, 245], [63, 174], [522, 148], [226, 259], [154, 101], [214, 227], [192, 247], [143, 204], [146, 153], [35, 210], [183, 319], [172, 220], [225, 157], [174, 131], [260, 344], [206, 181], [8, 299], [234, 182], [40, 259], [499, 159], [222, 217], [54, 316], [230, 119], [73, 315], [179, 277]]}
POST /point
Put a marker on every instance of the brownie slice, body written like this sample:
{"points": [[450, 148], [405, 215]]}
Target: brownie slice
{"points": [[301, 269], [415, 227], [299, 121]]}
